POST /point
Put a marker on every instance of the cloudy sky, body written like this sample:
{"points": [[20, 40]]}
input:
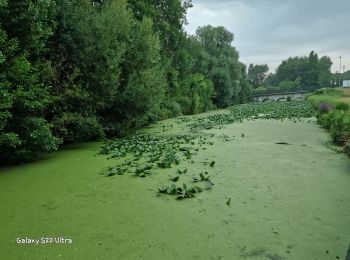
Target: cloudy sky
{"points": [[268, 31]]}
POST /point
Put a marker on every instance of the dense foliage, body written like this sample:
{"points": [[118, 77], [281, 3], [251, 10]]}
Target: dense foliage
{"points": [[81, 70], [24, 95]]}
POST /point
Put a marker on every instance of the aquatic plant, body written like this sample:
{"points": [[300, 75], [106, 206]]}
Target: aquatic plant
{"points": [[181, 192], [174, 179], [115, 171], [181, 172]]}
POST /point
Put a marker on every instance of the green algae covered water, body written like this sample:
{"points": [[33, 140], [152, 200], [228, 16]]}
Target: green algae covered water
{"points": [[287, 201]]}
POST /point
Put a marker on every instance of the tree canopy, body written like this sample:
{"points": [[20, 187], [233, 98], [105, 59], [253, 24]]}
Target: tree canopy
{"points": [[296, 73]]}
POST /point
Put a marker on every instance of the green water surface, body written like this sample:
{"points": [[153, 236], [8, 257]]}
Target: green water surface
{"points": [[287, 201]]}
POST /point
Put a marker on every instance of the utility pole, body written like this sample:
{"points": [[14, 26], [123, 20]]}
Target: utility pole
{"points": [[339, 69]]}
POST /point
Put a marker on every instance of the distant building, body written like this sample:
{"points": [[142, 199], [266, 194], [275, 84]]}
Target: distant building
{"points": [[346, 83]]}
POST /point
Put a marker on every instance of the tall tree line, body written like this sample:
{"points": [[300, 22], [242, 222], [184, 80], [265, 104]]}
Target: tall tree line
{"points": [[295, 73], [82, 70]]}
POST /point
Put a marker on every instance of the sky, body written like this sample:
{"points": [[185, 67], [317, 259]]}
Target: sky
{"points": [[269, 31]]}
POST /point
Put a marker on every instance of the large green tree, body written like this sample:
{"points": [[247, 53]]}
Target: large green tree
{"points": [[220, 64]]}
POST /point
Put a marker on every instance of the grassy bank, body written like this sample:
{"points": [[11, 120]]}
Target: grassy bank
{"points": [[330, 96], [333, 107]]}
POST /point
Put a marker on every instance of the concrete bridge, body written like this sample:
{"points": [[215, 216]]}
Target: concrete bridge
{"points": [[292, 96]]}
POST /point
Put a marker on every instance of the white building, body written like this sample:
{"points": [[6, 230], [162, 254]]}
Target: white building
{"points": [[346, 83]]}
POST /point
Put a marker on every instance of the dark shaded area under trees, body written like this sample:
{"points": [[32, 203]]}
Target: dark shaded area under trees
{"points": [[81, 70]]}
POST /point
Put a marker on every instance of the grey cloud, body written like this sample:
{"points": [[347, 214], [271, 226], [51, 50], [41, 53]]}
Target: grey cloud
{"points": [[268, 31]]}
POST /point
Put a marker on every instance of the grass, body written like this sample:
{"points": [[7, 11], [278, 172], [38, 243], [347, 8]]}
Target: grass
{"points": [[331, 96]]}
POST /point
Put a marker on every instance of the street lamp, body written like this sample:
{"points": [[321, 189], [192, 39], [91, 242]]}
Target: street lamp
{"points": [[339, 69]]}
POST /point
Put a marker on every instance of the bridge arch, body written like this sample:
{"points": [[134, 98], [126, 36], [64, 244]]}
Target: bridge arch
{"points": [[289, 96]]}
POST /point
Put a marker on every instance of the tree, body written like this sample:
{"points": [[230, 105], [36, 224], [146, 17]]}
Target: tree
{"points": [[311, 80], [168, 19], [87, 65], [311, 71], [257, 74], [221, 64], [143, 77], [325, 76]]}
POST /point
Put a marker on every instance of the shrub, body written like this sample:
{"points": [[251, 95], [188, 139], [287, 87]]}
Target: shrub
{"points": [[32, 136], [73, 127], [169, 108], [324, 119], [340, 127]]}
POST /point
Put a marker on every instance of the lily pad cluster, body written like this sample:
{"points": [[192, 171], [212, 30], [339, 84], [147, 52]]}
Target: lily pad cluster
{"points": [[265, 110], [186, 191], [181, 192], [143, 153]]}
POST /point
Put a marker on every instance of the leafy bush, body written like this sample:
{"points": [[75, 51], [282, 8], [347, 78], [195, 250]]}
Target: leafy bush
{"points": [[171, 108], [72, 127], [340, 127], [325, 119], [338, 121]]}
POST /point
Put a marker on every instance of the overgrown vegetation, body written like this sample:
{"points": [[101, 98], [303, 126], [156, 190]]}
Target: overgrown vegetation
{"points": [[82, 70], [334, 114]]}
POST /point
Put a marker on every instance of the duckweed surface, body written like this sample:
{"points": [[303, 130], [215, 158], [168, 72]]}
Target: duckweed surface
{"points": [[268, 201]]}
